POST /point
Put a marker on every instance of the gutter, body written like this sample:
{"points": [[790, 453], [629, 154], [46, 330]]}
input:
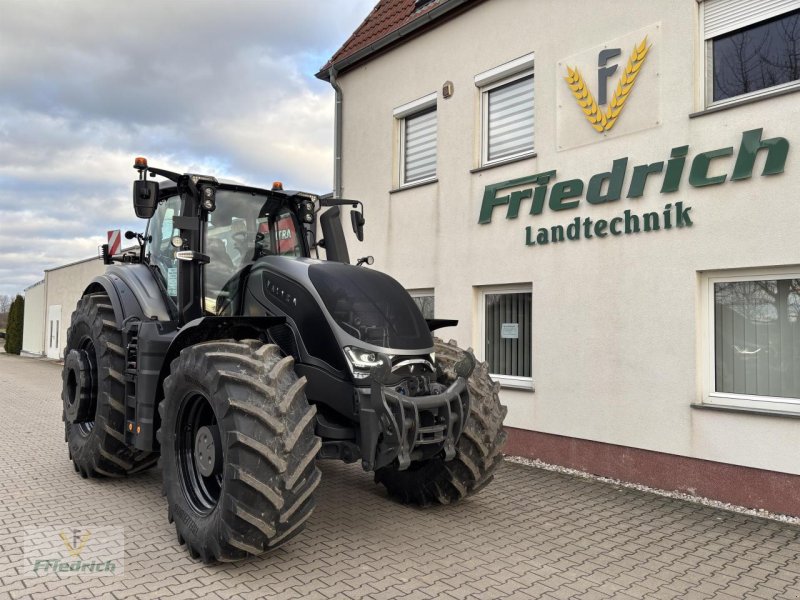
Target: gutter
{"points": [[404, 31], [330, 74], [337, 134]]}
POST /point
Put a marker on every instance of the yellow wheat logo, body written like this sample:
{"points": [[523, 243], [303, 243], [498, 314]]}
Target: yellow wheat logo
{"points": [[603, 121], [75, 547]]}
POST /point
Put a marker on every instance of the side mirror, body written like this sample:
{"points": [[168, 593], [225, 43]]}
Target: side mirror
{"points": [[357, 219], [145, 198]]}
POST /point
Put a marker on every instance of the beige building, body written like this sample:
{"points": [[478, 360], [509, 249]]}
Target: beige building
{"points": [[49, 305], [33, 323], [606, 199]]}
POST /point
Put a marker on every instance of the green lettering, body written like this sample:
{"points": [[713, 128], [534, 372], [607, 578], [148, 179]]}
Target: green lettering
{"points": [[672, 178], [542, 179], [574, 229], [698, 175], [600, 228], [541, 237], [489, 202], [683, 215], [777, 150], [615, 178], [587, 228], [640, 173], [631, 222], [613, 226], [563, 190], [513, 203], [651, 221]]}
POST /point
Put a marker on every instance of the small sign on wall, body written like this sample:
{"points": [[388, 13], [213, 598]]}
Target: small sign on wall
{"points": [[509, 331]]}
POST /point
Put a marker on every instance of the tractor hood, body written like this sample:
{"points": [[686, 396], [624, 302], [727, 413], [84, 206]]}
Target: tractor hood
{"points": [[363, 308], [370, 306]]}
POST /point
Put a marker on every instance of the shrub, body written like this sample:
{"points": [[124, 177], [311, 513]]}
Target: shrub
{"points": [[16, 315]]}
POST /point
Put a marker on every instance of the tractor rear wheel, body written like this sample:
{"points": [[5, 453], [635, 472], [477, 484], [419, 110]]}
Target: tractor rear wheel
{"points": [[93, 393], [478, 451], [237, 449]]}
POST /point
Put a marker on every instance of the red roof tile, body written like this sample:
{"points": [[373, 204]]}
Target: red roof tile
{"points": [[387, 16]]}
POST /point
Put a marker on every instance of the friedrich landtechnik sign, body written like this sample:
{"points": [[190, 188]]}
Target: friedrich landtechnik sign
{"points": [[533, 192]]}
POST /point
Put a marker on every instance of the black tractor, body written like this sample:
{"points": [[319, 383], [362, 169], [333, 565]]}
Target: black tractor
{"points": [[224, 350]]}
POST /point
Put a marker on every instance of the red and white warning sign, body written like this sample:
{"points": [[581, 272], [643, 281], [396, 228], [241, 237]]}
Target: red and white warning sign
{"points": [[114, 242]]}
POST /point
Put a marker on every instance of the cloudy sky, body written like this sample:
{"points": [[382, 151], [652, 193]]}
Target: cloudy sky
{"points": [[220, 87]]}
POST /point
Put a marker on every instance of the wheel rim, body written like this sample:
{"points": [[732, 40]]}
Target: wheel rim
{"points": [[199, 454], [86, 345]]}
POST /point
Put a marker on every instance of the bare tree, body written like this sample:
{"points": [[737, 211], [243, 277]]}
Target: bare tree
{"points": [[5, 303]]}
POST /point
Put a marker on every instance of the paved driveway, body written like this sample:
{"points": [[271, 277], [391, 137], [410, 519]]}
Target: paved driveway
{"points": [[530, 534]]}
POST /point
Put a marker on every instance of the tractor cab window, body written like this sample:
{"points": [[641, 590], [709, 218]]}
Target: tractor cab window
{"points": [[158, 249], [243, 228]]}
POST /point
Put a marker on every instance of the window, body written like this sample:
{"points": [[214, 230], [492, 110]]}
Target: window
{"points": [[417, 136], [424, 299], [158, 249], [754, 341], [506, 111], [243, 228], [752, 48], [506, 334]]}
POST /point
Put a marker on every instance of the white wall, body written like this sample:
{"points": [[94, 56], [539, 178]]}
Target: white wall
{"points": [[33, 325], [64, 288], [615, 321]]}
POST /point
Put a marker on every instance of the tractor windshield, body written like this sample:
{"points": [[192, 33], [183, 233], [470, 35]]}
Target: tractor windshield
{"points": [[244, 227], [371, 306]]}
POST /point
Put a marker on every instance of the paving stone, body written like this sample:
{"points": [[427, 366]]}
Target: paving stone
{"points": [[530, 534]]}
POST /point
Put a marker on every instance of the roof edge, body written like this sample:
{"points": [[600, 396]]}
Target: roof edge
{"points": [[395, 36]]}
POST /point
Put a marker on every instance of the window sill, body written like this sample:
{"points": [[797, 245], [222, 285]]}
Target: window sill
{"points": [[416, 184], [501, 163], [756, 97], [750, 411], [514, 383]]}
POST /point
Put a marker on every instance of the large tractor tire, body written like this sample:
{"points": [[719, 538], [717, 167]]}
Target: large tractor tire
{"points": [[478, 451], [237, 449], [93, 393]]}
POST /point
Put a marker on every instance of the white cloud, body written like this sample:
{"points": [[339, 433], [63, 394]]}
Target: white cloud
{"points": [[194, 85]]}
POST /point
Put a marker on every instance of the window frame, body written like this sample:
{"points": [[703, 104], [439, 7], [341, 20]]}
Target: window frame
{"points": [[709, 394], [401, 115], [506, 381], [424, 293], [707, 52], [507, 73]]}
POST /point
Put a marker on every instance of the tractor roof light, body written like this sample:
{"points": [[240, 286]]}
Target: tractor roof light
{"points": [[277, 186], [208, 201], [140, 162]]}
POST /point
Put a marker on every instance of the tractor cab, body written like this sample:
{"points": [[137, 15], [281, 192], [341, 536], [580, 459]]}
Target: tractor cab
{"points": [[244, 226]]}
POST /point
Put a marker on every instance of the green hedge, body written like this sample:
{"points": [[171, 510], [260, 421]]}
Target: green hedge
{"points": [[16, 317]]}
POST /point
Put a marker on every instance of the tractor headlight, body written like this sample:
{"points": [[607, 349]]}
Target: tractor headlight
{"points": [[361, 361]]}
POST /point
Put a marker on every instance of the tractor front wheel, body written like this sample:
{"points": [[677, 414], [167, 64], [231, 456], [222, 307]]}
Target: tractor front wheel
{"points": [[237, 449], [478, 451]]}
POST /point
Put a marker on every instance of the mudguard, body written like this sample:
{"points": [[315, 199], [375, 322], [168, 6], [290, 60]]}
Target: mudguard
{"points": [[133, 292]]}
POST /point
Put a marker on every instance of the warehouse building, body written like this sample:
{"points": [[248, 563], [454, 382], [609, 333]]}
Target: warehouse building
{"points": [[605, 197], [49, 305]]}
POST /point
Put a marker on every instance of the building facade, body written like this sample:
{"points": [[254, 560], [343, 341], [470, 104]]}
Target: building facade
{"points": [[606, 199], [33, 323], [49, 305]]}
